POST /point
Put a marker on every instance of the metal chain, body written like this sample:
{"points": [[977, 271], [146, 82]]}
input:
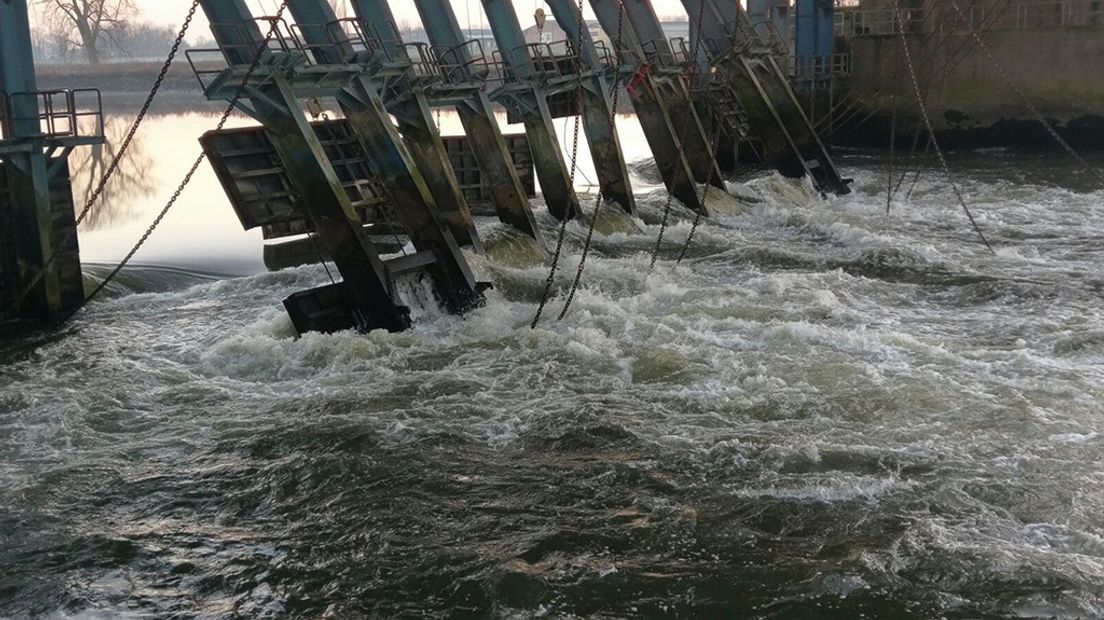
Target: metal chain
{"points": [[611, 128], [931, 133], [550, 281], [254, 64], [893, 133], [112, 167], [1027, 102], [693, 75]]}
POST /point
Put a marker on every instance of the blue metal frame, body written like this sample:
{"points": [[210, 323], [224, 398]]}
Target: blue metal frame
{"points": [[814, 43]]}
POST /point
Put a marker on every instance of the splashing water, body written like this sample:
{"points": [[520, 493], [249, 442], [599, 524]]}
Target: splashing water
{"points": [[823, 412]]}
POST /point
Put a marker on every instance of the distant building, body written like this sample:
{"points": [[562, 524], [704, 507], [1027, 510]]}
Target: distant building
{"points": [[552, 32]]}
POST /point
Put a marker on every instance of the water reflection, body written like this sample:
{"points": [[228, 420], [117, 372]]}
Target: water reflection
{"points": [[132, 182]]}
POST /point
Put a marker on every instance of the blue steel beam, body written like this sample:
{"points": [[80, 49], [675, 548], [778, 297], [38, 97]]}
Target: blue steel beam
{"points": [[814, 41], [30, 209], [317, 22], [484, 135], [597, 108], [552, 169]]}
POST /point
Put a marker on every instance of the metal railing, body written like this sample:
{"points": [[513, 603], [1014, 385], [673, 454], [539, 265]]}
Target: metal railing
{"points": [[59, 114], [878, 22], [1019, 15], [819, 68], [465, 63]]}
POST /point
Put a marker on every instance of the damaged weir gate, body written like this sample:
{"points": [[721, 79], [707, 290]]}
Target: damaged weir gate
{"points": [[380, 178]]}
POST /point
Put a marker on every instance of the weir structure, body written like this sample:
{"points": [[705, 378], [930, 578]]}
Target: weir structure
{"points": [[656, 86], [378, 178], [40, 269], [268, 77], [749, 87]]}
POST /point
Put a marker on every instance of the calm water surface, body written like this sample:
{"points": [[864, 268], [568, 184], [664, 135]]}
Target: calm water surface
{"points": [[825, 412]]}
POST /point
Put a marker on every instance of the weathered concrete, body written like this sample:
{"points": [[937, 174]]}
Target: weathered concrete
{"points": [[971, 105]]}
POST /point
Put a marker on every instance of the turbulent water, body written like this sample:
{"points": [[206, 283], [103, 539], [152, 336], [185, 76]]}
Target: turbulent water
{"points": [[823, 412]]}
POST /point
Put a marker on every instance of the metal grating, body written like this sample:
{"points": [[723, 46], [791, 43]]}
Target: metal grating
{"points": [[255, 181], [259, 191], [471, 178]]}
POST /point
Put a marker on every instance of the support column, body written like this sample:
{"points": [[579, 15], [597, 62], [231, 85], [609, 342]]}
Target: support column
{"points": [[814, 42], [699, 147], [597, 109], [552, 169], [484, 135], [651, 109], [28, 180], [430, 166]]}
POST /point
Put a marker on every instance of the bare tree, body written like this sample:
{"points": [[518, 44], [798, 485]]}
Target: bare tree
{"points": [[88, 24]]}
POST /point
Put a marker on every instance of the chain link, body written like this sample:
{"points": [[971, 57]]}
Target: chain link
{"points": [[611, 128], [254, 64], [112, 167], [550, 281], [931, 133]]}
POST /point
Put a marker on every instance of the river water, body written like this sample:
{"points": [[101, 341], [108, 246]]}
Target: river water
{"points": [[824, 412]]}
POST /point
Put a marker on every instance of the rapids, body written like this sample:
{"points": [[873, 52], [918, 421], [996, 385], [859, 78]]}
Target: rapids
{"points": [[823, 412]]}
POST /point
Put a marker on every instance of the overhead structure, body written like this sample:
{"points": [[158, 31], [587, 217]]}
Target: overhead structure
{"points": [[598, 75], [747, 77], [413, 80], [669, 121], [40, 270], [276, 76]]}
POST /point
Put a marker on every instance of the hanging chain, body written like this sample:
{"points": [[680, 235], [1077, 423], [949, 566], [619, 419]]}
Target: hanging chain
{"points": [[611, 128], [893, 133], [931, 133], [117, 160], [254, 64], [112, 167], [550, 281]]}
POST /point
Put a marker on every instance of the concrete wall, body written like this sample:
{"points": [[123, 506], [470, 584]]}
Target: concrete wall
{"points": [[1061, 70]]}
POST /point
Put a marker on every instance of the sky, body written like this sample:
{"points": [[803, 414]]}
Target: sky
{"points": [[171, 12]]}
